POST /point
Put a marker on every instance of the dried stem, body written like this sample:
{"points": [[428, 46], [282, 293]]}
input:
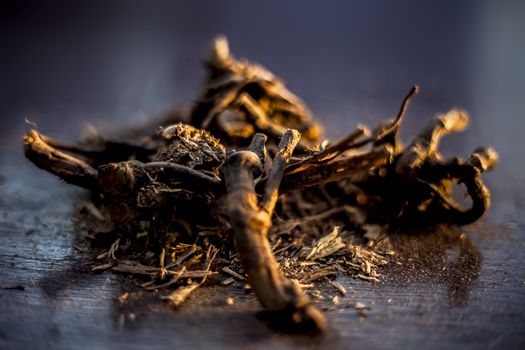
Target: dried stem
{"points": [[421, 162], [126, 177], [469, 173], [271, 190], [337, 170], [250, 223], [389, 133], [384, 134], [100, 151], [426, 143], [70, 169], [328, 153]]}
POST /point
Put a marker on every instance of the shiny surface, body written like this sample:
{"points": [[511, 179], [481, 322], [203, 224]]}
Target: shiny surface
{"points": [[351, 62]]}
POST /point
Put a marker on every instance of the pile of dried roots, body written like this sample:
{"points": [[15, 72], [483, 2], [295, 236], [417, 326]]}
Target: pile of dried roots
{"points": [[248, 190]]}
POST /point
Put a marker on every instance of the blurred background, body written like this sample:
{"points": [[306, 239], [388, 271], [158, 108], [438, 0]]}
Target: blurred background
{"points": [[111, 64]]}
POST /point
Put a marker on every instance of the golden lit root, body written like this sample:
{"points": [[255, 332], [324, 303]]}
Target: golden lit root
{"points": [[425, 145], [467, 172], [421, 162], [250, 222], [69, 168]]}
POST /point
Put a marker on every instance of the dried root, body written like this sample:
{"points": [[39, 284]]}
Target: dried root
{"points": [[250, 222], [252, 167], [69, 168]]}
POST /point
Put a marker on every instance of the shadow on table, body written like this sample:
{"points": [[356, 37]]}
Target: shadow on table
{"points": [[443, 255]]}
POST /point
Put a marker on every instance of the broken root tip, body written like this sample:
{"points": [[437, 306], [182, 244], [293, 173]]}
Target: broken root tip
{"points": [[307, 319]]}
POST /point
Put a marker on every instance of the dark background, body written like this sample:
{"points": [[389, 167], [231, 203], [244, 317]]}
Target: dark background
{"points": [[65, 64]]}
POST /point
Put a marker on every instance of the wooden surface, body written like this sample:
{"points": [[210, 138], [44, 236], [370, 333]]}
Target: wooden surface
{"points": [[447, 290]]}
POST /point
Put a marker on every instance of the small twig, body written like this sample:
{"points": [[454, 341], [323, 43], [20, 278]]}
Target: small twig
{"points": [[271, 190], [174, 279], [192, 249], [389, 133], [258, 146], [180, 295], [233, 273], [339, 287], [133, 267], [315, 275]]}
